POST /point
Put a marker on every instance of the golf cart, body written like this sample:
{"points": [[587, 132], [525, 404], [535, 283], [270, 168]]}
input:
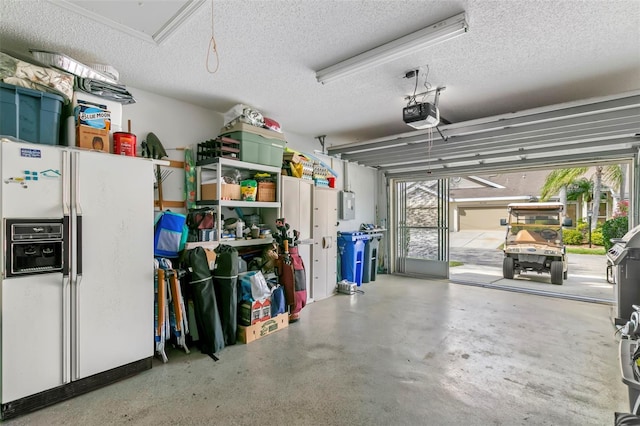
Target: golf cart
{"points": [[534, 240]]}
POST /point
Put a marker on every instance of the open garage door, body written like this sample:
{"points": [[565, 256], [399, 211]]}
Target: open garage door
{"points": [[578, 134], [591, 131]]}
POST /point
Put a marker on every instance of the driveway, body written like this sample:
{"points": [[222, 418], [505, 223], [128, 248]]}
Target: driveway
{"points": [[482, 264]]}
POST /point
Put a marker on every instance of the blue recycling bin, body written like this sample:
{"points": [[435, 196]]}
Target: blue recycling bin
{"points": [[371, 257], [351, 246]]}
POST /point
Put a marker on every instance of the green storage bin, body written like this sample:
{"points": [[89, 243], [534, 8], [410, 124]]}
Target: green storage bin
{"points": [[258, 149], [30, 115]]}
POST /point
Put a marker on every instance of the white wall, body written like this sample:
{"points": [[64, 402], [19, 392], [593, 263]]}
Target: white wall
{"points": [[301, 143], [352, 177], [177, 124]]}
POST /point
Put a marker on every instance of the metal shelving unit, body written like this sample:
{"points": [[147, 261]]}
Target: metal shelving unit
{"points": [[215, 168]]}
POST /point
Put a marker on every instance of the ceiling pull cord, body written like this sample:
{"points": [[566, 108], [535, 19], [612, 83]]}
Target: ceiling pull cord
{"points": [[212, 47], [429, 145]]}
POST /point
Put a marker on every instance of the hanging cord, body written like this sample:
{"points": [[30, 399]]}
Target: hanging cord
{"points": [[427, 85], [429, 145], [412, 98], [212, 47]]}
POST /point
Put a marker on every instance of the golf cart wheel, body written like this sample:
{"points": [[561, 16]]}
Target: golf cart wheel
{"points": [[507, 268], [565, 274], [556, 272]]}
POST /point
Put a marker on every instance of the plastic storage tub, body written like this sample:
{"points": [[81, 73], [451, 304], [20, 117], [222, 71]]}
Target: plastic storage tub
{"points": [[258, 149], [30, 115]]}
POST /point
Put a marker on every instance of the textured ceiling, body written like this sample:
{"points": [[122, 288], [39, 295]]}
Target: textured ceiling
{"points": [[518, 54]]}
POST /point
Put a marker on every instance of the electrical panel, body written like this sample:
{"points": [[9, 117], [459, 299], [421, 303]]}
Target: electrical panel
{"points": [[347, 205]]}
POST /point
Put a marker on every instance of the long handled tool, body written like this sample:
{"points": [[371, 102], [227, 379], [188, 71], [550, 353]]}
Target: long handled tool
{"points": [[159, 180]]}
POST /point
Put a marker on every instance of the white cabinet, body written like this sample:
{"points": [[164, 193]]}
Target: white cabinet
{"points": [[213, 170], [324, 251], [314, 212], [297, 200]]}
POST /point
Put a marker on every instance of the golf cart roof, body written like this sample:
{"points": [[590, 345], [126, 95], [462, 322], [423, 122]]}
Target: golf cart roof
{"points": [[536, 206]]}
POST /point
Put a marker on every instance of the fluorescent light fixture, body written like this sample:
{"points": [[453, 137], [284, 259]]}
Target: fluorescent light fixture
{"points": [[426, 37]]}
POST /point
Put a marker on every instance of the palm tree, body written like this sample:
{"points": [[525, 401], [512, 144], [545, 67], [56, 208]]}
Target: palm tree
{"points": [[595, 204], [580, 190], [559, 180], [618, 177]]}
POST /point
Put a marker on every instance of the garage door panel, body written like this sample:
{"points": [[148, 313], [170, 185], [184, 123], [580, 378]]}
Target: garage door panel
{"points": [[483, 218]]}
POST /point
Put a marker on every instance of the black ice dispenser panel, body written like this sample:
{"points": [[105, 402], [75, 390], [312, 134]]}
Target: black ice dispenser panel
{"points": [[34, 246]]}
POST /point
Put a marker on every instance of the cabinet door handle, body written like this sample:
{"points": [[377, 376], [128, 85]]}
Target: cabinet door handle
{"points": [[327, 242]]}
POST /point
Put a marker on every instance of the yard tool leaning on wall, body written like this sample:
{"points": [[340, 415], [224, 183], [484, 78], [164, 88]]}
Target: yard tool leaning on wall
{"points": [[291, 270], [152, 148]]}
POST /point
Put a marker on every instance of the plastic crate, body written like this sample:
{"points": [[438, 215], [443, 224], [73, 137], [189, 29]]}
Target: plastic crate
{"points": [[30, 115], [258, 149], [218, 147]]}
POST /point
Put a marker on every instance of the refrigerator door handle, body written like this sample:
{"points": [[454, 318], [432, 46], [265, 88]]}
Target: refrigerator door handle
{"points": [[76, 330], [66, 232], [66, 184], [79, 247], [78, 212], [77, 182], [66, 317]]}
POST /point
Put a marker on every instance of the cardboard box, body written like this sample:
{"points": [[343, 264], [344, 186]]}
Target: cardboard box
{"points": [[69, 115], [250, 312], [294, 157], [247, 334], [266, 191], [92, 138], [92, 115], [208, 191], [254, 312], [115, 108]]}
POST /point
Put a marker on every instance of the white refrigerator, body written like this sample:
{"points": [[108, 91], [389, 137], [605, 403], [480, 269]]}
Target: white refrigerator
{"points": [[77, 272]]}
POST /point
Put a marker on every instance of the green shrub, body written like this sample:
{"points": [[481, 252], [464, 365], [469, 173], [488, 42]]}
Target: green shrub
{"points": [[572, 237], [582, 226], [597, 238], [614, 228]]}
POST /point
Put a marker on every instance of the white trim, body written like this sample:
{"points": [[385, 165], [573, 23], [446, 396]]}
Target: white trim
{"points": [[491, 199], [166, 30], [486, 182]]}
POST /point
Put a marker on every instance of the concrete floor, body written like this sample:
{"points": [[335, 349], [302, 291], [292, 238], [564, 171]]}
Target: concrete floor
{"points": [[408, 352], [482, 264], [587, 276]]}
